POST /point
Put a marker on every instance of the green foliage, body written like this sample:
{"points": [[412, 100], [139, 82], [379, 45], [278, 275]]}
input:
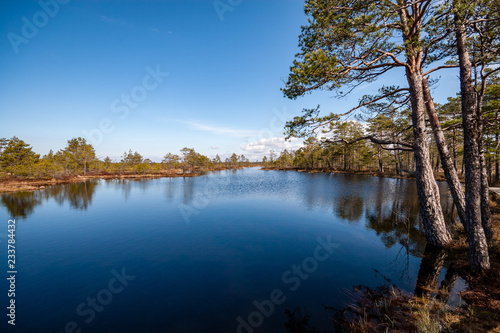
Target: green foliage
{"points": [[190, 157], [349, 146], [77, 156], [18, 157], [171, 160], [131, 159], [143, 167], [217, 160], [48, 167], [233, 159], [3, 143], [347, 43], [338, 35]]}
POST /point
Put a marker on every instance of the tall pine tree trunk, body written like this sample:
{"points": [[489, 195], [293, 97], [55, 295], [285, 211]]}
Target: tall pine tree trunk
{"points": [[478, 248], [427, 189], [455, 144], [380, 162], [485, 187], [485, 195], [447, 164], [497, 157]]}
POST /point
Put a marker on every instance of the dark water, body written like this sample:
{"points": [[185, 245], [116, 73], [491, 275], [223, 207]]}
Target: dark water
{"points": [[196, 254]]}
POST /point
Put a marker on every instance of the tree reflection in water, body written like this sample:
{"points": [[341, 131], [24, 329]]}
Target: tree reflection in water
{"points": [[388, 308], [389, 207], [78, 195], [428, 275], [21, 204], [349, 207], [391, 210]]}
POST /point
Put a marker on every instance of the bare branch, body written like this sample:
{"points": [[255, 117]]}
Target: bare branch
{"points": [[439, 67], [405, 146]]}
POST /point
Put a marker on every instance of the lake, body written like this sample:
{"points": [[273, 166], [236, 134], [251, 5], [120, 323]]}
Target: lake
{"points": [[225, 252]]}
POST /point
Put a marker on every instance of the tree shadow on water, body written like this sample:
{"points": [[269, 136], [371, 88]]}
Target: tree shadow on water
{"points": [[388, 308], [298, 321]]}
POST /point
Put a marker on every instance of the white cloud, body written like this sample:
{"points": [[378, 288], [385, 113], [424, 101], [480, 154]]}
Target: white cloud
{"points": [[214, 147], [278, 144]]}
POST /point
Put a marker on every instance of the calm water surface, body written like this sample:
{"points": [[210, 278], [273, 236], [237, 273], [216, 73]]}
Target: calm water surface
{"points": [[197, 254]]}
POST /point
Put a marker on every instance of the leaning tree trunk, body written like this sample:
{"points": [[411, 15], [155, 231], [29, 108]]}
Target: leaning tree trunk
{"points": [[447, 164], [478, 247], [427, 189]]}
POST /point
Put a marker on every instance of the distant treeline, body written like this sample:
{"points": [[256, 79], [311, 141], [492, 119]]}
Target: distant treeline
{"points": [[348, 147], [18, 159]]}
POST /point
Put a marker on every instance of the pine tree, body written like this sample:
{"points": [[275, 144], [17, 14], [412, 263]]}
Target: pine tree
{"points": [[18, 157]]}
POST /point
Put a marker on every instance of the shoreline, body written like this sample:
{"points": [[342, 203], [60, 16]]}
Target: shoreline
{"points": [[12, 185], [495, 187], [351, 172]]}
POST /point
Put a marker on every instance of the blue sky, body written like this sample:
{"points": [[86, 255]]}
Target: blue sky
{"points": [[216, 87]]}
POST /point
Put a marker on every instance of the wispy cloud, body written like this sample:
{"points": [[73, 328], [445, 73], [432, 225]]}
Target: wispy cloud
{"points": [[158, 31], [112, 20]]}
